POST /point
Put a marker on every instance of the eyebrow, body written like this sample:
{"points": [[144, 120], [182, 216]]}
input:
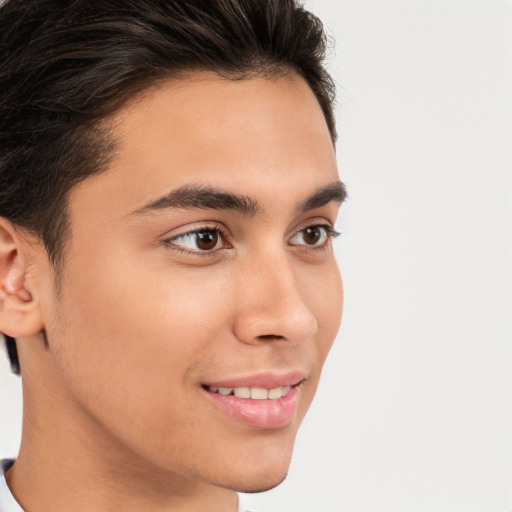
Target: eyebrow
{"points": [[333, 192], [205, 197]]}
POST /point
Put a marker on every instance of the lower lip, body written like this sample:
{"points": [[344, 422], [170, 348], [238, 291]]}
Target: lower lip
{"points": [[263, 414]]}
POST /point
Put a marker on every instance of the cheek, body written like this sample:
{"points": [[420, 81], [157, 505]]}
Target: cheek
{"points": [[325, 298], [129, 349], [137, 333], [323, 294]]}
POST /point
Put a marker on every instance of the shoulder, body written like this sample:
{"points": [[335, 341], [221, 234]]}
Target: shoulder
{"points": [[242, 508]]}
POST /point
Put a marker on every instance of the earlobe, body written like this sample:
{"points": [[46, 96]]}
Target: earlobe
{"points": [[19, 308]]}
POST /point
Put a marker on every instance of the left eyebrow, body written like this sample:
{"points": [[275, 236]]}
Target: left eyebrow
{"points": [[333, 192]]}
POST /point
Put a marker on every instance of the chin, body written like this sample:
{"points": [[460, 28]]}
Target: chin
{"points": [[255, 474], [262, 486]]}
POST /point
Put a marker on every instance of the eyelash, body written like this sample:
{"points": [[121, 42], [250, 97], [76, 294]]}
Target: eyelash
{"points": [[215, 228], [330, 234]]}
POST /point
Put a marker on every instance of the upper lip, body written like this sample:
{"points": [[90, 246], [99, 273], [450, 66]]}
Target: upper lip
{"points": [[266, 380]]}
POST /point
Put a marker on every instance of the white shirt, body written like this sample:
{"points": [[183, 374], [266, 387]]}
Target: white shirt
{"points": [[7, 501]]}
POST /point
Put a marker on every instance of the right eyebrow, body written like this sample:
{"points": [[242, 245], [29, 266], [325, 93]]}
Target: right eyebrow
{"points": [[202, 197]]}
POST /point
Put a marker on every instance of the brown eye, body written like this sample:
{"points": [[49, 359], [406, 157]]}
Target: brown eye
{"points": [[314, 236], [203, 240], [206, 240]]}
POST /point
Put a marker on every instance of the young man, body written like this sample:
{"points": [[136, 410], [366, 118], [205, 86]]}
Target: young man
{"points": [[168, 287]]}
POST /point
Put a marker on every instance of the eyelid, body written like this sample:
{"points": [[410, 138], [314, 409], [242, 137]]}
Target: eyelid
{"points": [[316, 221], [330, 233], [169, 240]]}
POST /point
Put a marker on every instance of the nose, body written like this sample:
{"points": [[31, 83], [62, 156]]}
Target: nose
{"points": [[270, 305]]}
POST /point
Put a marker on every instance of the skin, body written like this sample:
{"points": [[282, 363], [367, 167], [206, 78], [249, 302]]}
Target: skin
{"points": [[143, 320]]}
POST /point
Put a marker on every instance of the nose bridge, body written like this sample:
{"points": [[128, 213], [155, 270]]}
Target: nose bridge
{"points": [[271, 305]]}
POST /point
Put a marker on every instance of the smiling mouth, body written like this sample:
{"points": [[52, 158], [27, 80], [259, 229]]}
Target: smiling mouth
{"points": [[254, 393], [264, 400]]}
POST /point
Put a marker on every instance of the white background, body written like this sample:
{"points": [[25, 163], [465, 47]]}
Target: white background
{"points": [[414, 413]]}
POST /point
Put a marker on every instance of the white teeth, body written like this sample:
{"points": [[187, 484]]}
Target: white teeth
{"points": [[275, 393], [242, 392], [259, 393], [253, 393]]}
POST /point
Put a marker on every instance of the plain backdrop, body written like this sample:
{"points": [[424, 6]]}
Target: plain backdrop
{"points": [[414, 412]]}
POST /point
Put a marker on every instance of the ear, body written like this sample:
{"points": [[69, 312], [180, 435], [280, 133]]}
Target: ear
{"points": [[20, 314]]}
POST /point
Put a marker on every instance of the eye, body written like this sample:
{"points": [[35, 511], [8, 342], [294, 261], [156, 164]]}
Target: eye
{"points": [[202, 240], [314, 236]]}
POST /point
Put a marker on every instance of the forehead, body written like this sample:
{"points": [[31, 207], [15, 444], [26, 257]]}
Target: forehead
{"points": [[207, 130]]}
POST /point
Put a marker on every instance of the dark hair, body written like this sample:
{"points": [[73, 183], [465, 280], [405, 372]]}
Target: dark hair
{"points": [[66, 66]]}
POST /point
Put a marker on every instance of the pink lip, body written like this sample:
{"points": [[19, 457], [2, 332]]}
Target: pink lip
{"points": [[261, 414], [267, 380]]}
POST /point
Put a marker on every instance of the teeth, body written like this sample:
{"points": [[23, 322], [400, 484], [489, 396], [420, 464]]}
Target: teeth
{"points": [[275, 393], [259, 393], [253, 393], [242, 392]]}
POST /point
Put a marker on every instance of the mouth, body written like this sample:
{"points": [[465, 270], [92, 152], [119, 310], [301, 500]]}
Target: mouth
{"points": [[254, 393], [262, 406]]}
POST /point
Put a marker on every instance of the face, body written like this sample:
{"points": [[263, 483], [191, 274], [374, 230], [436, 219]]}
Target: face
{"points": [[200, 295]]}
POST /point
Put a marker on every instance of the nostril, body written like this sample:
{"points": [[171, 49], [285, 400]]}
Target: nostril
{"points": [[270, 337]]}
